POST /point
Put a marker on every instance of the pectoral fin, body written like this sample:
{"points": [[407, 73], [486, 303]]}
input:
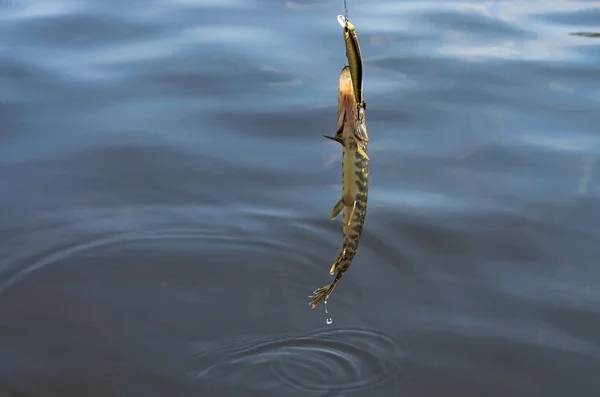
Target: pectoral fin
{"points": [[360, 131], [362, 152], [337, 208], [352, 213], [335, 138], [341, 253]]}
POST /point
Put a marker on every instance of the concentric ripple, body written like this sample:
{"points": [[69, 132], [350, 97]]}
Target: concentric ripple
{"points": [[331, 360], [55, 243]]}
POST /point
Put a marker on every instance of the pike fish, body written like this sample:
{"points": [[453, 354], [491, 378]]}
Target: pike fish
{"points": [[355, 176]]}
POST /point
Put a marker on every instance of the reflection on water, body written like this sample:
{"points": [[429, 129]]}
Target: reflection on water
{"points": [[328, 361], [165, 192]]}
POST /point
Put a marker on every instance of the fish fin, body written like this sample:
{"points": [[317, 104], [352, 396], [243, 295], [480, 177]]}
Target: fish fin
{"points": [[337, 208], [318, 296], [360, 131], [335, 138], [341, 252], [322, 294], [362, 152], [351, 213]]}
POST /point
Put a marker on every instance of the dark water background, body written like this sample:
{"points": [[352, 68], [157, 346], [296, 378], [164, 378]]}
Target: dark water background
{"points": [[165, 192]]}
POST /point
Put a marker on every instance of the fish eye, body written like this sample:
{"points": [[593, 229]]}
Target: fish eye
{"points": [[346, 29]]}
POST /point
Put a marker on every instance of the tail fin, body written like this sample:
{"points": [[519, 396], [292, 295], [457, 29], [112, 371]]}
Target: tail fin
{"points": [[321, 294]]}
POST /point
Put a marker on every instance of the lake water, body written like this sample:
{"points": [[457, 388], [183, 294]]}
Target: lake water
{"points": [[165, 195]]}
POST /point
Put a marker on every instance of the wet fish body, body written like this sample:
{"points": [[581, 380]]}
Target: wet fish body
{"points": [[351, 133]]}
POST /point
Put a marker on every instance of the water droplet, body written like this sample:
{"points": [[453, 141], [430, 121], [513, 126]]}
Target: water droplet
{"points": [[328, 320]]}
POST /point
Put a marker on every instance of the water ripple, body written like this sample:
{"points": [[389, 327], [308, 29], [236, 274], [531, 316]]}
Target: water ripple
{"points": [[475, 24], [331, 360]]}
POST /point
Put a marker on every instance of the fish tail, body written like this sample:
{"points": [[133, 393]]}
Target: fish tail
{"points": [[321, 294], [340, 265]]}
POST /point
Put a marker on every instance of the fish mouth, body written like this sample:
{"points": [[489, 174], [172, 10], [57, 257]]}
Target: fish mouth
{"points": [[341, 20]]}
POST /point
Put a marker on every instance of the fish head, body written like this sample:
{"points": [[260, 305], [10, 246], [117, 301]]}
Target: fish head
{"points": [[347, 106], [345, 85]]}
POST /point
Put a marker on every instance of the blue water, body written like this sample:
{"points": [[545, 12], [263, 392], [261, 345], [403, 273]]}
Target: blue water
{"points": [[165, 193]]}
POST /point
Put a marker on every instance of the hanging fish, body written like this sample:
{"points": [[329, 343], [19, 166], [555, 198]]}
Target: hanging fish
{"points": [[355, 182]]}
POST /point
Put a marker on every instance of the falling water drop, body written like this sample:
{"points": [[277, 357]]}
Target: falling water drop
{"points": [[328, 320]]}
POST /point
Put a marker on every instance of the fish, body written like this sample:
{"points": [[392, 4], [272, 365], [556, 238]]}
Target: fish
{"points": [[355, 182]]}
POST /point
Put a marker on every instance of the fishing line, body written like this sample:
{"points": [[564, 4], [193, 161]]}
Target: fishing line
{"points": [[345, 10]]}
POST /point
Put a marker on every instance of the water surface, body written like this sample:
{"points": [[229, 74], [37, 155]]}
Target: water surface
{"points": [[165, 192]]}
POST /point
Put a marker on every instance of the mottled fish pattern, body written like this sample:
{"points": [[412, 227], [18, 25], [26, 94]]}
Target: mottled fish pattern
{"points": [[355, 180]]}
